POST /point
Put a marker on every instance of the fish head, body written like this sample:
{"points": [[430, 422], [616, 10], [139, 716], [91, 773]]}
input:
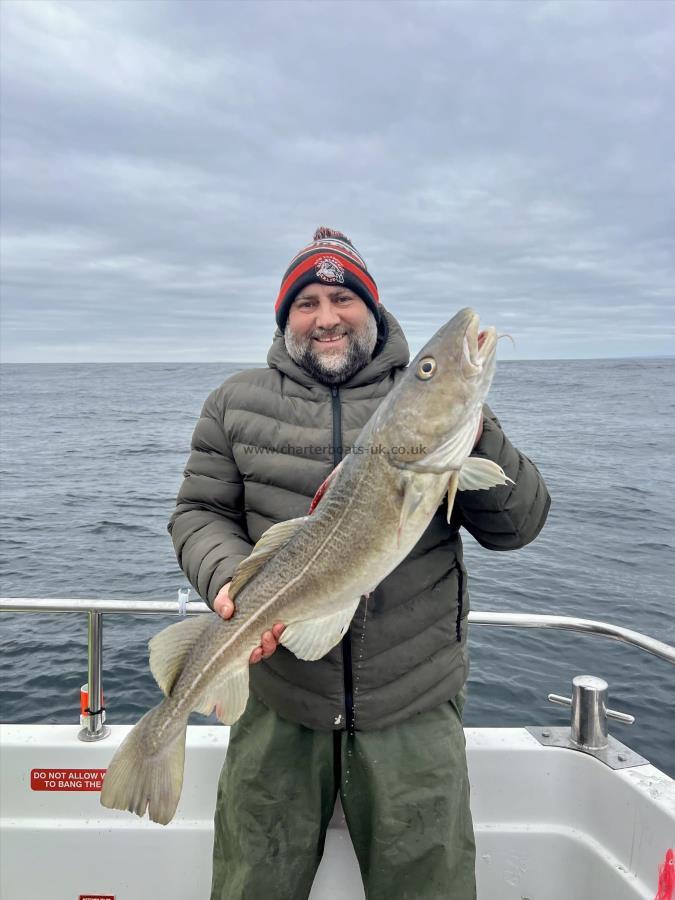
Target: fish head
{"points": [[428, 423]]}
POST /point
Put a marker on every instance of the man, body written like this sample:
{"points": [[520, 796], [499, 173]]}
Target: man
{"points": [[266, 439]]}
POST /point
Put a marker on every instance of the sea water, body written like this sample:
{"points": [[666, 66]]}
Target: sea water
{"points": [[91, 459]]}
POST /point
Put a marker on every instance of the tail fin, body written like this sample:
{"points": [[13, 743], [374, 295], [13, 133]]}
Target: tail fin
{"points": [[138, 780]]}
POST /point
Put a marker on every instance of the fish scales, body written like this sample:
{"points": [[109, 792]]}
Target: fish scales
{"points": [[310, 573]]}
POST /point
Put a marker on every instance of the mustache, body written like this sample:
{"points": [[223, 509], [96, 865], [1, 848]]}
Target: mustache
{"points": [[338, 331]]}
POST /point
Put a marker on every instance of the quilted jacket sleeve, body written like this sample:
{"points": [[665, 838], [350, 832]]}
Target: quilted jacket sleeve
{"points": [[508, 516], [208, 527]]}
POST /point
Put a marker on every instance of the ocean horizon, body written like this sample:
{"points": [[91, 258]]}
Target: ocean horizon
{"points": [[263, 362]]}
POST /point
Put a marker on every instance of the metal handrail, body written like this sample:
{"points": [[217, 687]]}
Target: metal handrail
{"points": [[68, 605], [196, 607], [573, 623], [95, 728]]}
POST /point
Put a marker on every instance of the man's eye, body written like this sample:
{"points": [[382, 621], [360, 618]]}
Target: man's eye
{"points": [[343, 298]]}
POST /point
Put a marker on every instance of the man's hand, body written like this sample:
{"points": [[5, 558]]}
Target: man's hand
{"points": [[269, 640]]}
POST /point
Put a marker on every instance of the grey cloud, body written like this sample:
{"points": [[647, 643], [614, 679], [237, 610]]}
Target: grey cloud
{"points": [[161, 163]]}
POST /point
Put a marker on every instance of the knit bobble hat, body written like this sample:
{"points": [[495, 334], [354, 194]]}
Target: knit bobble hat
{"points": [[330, 259]]}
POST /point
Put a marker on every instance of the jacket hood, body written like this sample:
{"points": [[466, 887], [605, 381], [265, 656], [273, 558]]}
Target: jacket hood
{"points": [[393, 353]]}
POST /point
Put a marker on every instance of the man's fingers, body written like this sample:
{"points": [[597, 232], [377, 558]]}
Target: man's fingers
{"points": [[268, 643], [224, 607], [222, 603]]}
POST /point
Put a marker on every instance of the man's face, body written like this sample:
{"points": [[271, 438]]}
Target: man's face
{"points": [[330, 332]]}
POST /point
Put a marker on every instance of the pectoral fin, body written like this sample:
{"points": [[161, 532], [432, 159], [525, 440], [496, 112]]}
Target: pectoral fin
{"points": [[268, 545], [412, 497], [452, 490], [313, 638], [478, 474]]}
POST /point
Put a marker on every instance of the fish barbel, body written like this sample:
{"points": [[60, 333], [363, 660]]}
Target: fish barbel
{"points": [[378, 502]]}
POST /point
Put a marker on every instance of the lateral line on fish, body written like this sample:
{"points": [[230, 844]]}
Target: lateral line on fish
{"points": [[202, 674]]}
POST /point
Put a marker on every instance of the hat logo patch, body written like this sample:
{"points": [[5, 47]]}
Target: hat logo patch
{"points": [[329, 269]]}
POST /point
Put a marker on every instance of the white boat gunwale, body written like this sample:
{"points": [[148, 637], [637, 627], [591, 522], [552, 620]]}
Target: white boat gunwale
{"points": [[561, 825]]}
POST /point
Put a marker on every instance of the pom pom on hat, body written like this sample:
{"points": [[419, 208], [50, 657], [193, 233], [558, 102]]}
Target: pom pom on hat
{"points": [[330, 259], [323, 232]]}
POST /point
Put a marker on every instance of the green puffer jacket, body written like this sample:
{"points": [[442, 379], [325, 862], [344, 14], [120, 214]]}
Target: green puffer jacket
{"points": [[265, 441]]}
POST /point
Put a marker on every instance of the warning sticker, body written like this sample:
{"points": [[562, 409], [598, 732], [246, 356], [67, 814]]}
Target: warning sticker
{"points": [[67, 780], [97, 897]]}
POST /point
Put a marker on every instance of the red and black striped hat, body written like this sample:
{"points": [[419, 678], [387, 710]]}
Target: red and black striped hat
{"points": [[330, 259]]}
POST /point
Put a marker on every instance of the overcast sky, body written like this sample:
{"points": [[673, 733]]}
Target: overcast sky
{"points": [[162, 162]]}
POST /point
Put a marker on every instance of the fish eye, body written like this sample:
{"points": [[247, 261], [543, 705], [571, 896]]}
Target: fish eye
{"points": [[426, 368]]}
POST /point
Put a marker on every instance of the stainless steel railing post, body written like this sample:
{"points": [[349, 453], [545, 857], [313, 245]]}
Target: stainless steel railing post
{"points": [[95, 729]]}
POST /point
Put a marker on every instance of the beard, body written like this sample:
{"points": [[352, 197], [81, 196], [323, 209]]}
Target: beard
{"points": [[333, 366]]}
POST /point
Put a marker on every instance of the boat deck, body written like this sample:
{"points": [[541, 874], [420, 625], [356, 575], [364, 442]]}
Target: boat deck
{"points": [[550, 823]]}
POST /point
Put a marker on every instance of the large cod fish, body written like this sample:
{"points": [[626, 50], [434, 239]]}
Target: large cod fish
{"points": [[311, 572]]}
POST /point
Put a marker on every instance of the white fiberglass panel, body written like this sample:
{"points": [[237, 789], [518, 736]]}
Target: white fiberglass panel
{"points": [[550, 824]]}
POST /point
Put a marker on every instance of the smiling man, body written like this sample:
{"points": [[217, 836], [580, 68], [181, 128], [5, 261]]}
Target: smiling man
{"points": [[378, 719], [330, 332]]}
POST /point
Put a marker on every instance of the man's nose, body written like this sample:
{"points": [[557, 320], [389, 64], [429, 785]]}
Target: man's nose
{"points": [[327, 315]]}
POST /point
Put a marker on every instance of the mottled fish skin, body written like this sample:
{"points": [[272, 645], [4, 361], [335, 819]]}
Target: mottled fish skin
{"points": [[293, 585], [375, 510]]}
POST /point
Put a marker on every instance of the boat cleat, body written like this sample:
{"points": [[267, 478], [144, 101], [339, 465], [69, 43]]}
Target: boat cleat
{"points": [[588, 729]]}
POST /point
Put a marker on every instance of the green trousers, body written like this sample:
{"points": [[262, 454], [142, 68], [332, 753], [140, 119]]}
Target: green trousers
{"points": [[404, 791]]}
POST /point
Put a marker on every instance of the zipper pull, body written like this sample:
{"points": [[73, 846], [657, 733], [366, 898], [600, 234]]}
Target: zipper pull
{"points": [[334, 390]]}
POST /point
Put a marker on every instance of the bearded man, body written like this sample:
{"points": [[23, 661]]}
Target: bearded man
{"points": [[378, 719]]}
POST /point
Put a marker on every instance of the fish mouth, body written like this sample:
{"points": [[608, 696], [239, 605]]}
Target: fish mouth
{"points": [[478, 347]]}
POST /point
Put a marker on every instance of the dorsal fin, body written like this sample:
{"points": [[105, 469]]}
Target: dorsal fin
{"points": [[170, 648], [269, 544]]}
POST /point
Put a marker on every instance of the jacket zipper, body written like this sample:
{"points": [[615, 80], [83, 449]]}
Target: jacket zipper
{"points": [[347, 639]]}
